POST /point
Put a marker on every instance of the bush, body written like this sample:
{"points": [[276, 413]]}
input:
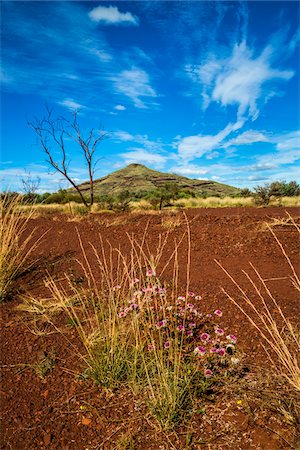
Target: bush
{"points": [[283, 189], [277, 189], [118, 203], [62, 197], [262, 195]]}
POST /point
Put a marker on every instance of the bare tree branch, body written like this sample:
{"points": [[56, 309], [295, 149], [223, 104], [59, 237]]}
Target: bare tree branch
{"points": [[55, 131]]}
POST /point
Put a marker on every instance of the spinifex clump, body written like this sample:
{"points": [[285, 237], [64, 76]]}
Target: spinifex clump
{"points": [[183, 351]]}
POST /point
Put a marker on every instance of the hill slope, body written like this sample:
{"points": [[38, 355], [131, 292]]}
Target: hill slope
{"points": [[139, 179]]}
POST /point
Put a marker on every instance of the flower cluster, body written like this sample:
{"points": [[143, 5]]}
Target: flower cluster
{"points": [[198, 335]]}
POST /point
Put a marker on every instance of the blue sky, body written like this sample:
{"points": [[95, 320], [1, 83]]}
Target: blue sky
{"points": [[208, 90]]}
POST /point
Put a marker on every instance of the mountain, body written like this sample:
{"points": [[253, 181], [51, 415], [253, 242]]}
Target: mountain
{"points": [[139, 179]]}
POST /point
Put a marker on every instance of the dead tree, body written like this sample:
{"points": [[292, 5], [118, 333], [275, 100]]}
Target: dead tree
{"points": [[53, 135], [30, 184]]}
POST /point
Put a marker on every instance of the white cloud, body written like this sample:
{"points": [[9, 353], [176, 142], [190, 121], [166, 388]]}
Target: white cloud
{"points": [[248, 137], [123, 136], [71, 104], [188, 170], [110, 15], [196, 146], [120, 108], [102, 55], [289, 142], [240, 79], [134, 84], [142, 156], [141, 139]]}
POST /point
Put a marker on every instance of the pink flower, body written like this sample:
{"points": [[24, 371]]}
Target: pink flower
{"points": [[208, 373], [117, 287], [167, 344], [204, 337], [219, 331], [191, 294], [150, 273], [221, 351], [192, 324], [218, 313], [213, 350], [160, 324], [122, 314], [134, 306], [189, 333], [199, 350], [190, 305], [232, 338], [180, 328], [208, 315]]}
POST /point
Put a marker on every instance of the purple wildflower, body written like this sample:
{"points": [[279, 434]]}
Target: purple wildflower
{"points": [[219, 331], [150, 273], [160, 324], [117, 287], [232, 338], [191, 294], [213, 350], [208, 373], [199, 350], [190, 333], [122, 314], [204, 337], [134, 306], [218, 313], [167, 344], [221, 351], [180, 328], [192, 324]]}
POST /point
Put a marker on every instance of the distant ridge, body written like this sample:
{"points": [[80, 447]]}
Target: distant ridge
{"points": [[139, 179]]}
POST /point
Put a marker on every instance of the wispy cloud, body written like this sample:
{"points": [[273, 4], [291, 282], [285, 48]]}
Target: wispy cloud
{"points": [[189, 170], [242, 79], [71, 104], [192, 147], [110, 15], [248, 137], [135, 84]]}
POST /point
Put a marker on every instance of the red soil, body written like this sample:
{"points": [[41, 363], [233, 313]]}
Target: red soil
{"points": [[63, 412]]}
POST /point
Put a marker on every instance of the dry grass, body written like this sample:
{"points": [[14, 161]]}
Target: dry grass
{"points": [[171, 222], [279, 333], [14, 254], [214, 202]]}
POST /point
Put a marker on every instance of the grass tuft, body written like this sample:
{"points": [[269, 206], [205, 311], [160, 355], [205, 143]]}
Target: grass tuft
{"points": [[15, 250], [279, 333]]}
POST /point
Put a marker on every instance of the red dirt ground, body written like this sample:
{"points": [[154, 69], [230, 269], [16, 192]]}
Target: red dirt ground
{"points": [[64, 412]]}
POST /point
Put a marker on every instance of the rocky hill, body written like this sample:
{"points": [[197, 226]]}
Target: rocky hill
{"points": [[139, 179]]}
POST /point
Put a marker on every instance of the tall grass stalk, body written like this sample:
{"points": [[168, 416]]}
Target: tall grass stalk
{"points": [[280, 334], [130, 351], [15, 250]]}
